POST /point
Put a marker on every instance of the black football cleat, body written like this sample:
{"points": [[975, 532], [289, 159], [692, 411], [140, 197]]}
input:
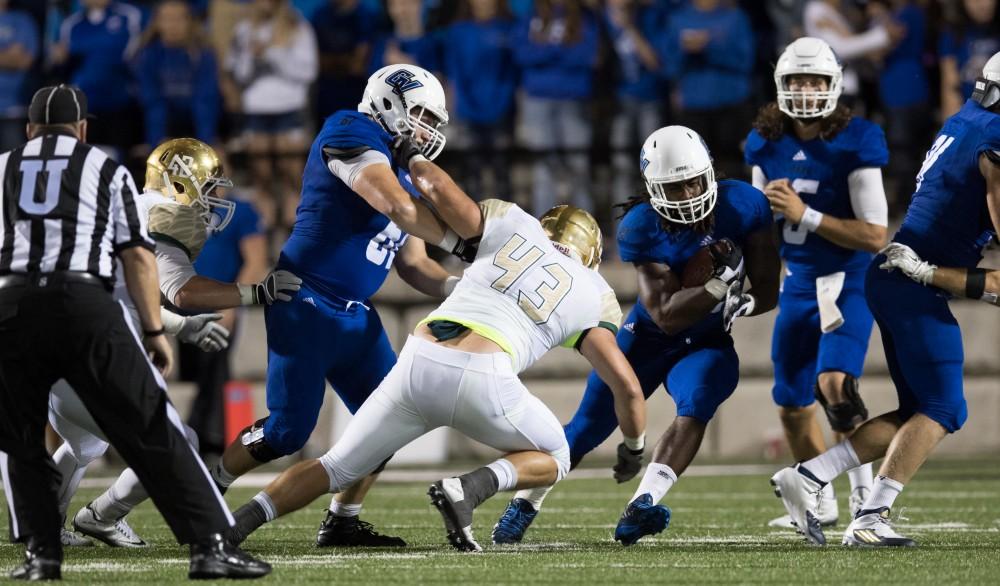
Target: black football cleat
{"points": [[337, 531], [36, 568], [215, 559]]}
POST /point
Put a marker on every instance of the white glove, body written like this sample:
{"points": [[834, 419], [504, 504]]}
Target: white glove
{"points": [[202, 331], [900, 256], [276, 286], [737, 304]]}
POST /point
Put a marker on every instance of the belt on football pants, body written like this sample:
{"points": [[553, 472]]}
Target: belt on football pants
{"points": [[53, 279]]}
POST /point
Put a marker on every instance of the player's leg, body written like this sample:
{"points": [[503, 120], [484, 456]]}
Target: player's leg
{"points": [[490, 405], [298, 335], [83, 442], [594, 421], [104, 517], [387, 415], [839, 366], [794, 347], [698, 383], [362, 363]]}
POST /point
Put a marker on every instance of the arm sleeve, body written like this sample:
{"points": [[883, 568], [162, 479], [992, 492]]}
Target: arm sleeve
{"points": [[759, 180], [845, 46], [130, 225], [347, 170], [175, 269], [868, 196]]}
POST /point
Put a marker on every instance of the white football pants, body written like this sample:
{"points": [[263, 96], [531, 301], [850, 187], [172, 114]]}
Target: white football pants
{"points": [[434, 386], [84, 443]]}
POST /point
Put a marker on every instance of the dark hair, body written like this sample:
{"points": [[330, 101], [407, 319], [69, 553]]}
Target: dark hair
{"points": [[959, 22], [703, 226], [464, 11], [574, 20], [772, 123]]}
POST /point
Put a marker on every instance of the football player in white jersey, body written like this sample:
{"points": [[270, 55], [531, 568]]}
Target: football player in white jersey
{"points": [[181, 176], [533, 285]]}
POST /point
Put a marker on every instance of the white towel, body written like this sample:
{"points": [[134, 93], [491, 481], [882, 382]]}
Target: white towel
{"points": [[828, 288]]}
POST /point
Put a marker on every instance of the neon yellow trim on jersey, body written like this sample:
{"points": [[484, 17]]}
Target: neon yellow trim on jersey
{"points": [[573, 340], [484, 331]]}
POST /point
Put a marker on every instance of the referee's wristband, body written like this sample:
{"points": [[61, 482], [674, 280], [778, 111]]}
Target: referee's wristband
{"points": [[154, 333]]}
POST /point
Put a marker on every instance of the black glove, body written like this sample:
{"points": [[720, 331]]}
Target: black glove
{"points": [[466, 250], [403, 150], [728, 259], [628, 465]]}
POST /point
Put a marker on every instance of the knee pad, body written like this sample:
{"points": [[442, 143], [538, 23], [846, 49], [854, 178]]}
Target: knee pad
{"points": [[844, 417], [252, 438]]}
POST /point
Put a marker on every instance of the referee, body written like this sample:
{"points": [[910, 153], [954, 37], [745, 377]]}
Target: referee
{"points": [[68, 211]]}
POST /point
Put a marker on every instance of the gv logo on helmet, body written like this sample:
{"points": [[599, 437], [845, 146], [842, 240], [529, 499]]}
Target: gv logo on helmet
{"points": [[402, 81]]}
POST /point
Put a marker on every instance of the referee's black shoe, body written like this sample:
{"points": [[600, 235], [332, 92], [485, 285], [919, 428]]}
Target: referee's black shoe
{"points": [[40, 563], [213, 559]]}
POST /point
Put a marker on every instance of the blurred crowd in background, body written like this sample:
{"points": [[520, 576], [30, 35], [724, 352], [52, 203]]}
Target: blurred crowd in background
{"points": [[549, 99]]}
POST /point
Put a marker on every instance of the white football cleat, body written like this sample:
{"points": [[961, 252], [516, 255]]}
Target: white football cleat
{"points": [[115, 532], [873, 529], [70, 539], [826, 510], [857, 499], [800, 495]]}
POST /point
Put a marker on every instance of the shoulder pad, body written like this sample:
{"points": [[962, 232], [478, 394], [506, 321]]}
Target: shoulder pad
{"points": [[179, 225]]}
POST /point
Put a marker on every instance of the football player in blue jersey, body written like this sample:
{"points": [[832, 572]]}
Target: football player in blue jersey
{"points": [[953, 214], [820, 168], [352, 225], [677, 337]]}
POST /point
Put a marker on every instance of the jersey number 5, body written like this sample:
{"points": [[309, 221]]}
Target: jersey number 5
{"points": [[794, 233], [540, 303], [30, 169]]}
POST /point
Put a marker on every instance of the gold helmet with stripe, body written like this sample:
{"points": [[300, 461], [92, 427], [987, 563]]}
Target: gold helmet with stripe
{"points": [[188, 171], [574, 232]]}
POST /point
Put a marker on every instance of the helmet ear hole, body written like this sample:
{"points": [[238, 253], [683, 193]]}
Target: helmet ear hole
{"points": [[386, 104]]}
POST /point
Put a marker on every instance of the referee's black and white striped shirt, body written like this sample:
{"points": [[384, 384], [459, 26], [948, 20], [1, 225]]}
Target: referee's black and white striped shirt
{"points": [[67, 206]]}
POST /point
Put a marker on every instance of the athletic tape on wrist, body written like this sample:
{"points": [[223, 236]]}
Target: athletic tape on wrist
{"points": [[717, 288], [811, 219]]}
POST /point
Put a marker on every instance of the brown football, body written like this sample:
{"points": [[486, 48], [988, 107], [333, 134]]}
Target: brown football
{"points": [[701, 265]]}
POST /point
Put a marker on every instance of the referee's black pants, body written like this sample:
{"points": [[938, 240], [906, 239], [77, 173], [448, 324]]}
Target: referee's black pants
{"points": [[78, 332]]}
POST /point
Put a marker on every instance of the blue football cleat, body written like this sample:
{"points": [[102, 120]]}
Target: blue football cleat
{"points": [[514, 522], [641, 518]]}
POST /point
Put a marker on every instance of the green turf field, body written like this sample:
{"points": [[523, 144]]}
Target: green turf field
{"points": [[718, 534]]}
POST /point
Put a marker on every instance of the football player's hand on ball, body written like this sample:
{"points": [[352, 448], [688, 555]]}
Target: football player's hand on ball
{"points": [[728, 258], [902, 257], [737, 304], [628, 465], [203, 331], [404, 148]]}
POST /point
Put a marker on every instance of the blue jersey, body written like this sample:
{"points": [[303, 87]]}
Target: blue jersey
{"points": [[740, 210], [818, 170], [947, 222], [341, 246]]}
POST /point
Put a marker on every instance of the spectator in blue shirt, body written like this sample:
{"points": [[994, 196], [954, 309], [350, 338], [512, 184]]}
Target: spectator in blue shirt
{"points": [[18, 50], [178, 82], [964, 48], [479, 64], [904, 91], [344, 33], [407, 42], [238, 254], [635, 29], [557, 51], [709, 54], [95, 46]]}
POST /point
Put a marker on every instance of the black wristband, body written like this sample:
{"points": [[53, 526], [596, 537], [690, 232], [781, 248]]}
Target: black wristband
{"points": [[154, 333], [975, 283], [635, 452]]}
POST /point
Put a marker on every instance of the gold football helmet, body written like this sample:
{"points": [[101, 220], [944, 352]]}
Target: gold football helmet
{"points": [[188, 171], [576, 232]]}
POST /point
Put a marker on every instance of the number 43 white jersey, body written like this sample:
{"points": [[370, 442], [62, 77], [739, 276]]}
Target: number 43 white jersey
{"points": [[522, 293]]}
